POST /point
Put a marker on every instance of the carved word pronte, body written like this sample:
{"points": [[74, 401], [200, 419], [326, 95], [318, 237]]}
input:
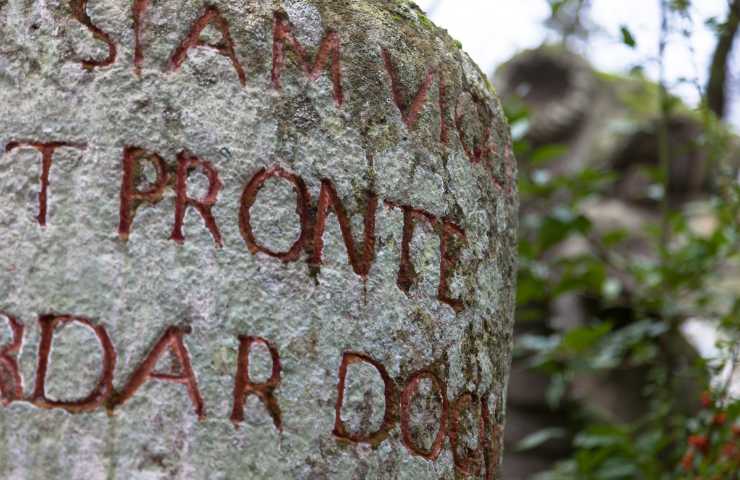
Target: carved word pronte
{"points": [[312, 218]]}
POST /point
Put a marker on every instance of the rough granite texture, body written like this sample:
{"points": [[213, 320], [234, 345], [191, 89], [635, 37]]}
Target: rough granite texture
{"points": [[78, 265]]}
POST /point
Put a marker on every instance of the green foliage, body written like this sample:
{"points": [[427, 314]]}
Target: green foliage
{"points": [[627, 37], [556, 5], [659, 288], [539, 438], [680, 5]]}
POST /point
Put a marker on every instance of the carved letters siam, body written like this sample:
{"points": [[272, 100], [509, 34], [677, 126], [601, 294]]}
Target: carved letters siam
{"points": [[329, 51]]}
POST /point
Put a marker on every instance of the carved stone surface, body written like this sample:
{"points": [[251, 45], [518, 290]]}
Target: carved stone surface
{"points": [[250, 239]]}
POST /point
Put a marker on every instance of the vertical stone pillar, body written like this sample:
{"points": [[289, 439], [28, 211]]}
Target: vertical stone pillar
{"points": [[254, 239]]}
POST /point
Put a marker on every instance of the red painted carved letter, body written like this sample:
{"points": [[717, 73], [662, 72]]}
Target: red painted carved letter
{"points": [[49, 324], [476, 137], [138, 9], [131, 198], [303, 207], [360, 261], [389, 418], [481, 149], [448, 258], [406, 271], [185, 163], [172, 340], [244, 386], [11, 382], [330, 45], [79, 11], [471, 462], [411, 112], [494, 437], [226, 47], [47, 154], [406, 396]]}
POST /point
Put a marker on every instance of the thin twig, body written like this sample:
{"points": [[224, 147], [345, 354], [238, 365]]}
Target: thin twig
{"points": [[663, 131]]}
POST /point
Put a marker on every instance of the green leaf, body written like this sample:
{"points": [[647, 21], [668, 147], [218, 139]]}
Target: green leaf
{"points": [[581, 339], [627, 37], [537, 343], [615, 237], [680, 5], [614, 469], [538, 438], [556, 391], [602, 436], [556, 5], [547, 153], [714, 25]]}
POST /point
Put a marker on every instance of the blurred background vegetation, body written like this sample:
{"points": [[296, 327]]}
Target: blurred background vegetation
{"points": [[628, 324]]}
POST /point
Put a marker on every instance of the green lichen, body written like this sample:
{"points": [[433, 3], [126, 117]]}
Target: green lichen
{"points": [[426, 23], [489, 86]]}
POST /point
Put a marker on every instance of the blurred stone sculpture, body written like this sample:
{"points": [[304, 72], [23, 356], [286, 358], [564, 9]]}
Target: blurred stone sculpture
{"points": [[608, 123]]}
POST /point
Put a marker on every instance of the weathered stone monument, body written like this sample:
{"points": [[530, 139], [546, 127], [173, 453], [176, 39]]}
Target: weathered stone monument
{"points": [[250, 240]]}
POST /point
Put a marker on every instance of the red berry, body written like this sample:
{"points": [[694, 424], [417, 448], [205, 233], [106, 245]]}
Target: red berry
{"points": [[699, 441], [720, 418], [728, 449]]}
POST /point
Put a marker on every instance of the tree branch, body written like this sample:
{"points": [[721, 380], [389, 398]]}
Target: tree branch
{"points": [[717, 86]]}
